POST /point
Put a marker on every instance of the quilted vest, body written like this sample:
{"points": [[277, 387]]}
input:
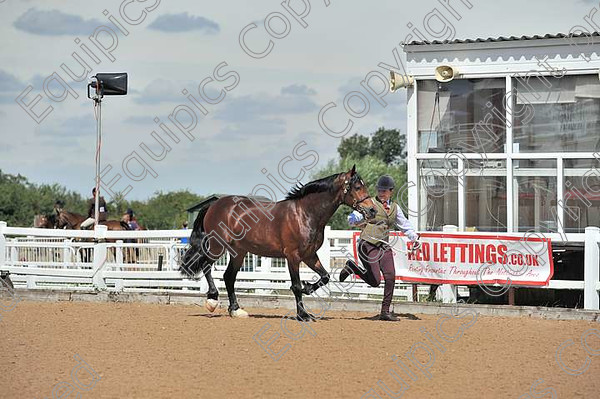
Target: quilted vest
{"points": [[379, 227]]}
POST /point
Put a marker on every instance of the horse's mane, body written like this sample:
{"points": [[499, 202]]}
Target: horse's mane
{"points": [[72, 213], [316, 186]]}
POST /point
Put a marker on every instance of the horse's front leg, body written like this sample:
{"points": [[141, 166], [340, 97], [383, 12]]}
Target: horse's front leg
{"points": [[315, 264], [294, 268]]}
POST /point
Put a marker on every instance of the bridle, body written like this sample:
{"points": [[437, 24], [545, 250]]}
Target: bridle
{"points": [[347, 184], [66, 222], [53, 221]]}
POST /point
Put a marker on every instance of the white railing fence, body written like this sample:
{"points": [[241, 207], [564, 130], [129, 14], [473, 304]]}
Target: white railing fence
{"points": [[147, 261]]}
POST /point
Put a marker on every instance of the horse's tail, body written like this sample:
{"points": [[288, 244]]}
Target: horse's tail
{"points": [[124, 225], [195, 258]]}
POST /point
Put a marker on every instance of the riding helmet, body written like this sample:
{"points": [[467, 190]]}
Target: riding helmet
{"points": [[385, 182]]}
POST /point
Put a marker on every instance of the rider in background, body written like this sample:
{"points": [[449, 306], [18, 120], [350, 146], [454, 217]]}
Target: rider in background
{"points": [[131, 220], [102, 212], [184, 226], [373, 247]]}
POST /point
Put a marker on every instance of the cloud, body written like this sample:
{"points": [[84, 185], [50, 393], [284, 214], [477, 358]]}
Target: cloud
{"points": [[251, 140], [70, 128], [259, 128], [141, 119], [184, 23], [6, 98], [294, 99], [10, 86], [9, 83], [7, 148], [159, 91], [396, 102], [298, 89], [54, 23]]}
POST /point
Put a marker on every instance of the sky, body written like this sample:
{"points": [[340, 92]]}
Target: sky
{"points": [[245, 113]]}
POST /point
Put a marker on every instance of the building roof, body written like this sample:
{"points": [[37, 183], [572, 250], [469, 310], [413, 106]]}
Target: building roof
{"points": [[502, 39]]}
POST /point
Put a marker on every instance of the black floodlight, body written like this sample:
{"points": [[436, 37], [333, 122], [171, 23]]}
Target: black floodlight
{"points": [[105, 84], [109, 84]]}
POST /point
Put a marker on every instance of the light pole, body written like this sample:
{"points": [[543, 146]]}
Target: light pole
{"points": [[104, 84]]}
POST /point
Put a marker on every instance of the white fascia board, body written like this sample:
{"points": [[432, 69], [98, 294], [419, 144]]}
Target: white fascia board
{"points": [[497, 59]]}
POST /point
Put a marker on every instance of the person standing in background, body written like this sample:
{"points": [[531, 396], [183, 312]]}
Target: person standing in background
{"points": [[184, 240]]}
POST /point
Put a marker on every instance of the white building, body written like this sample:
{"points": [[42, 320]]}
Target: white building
{"points": [[512, 142]]}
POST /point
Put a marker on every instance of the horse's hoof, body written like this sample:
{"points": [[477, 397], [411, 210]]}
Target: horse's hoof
{"points": [[211, 305], [306, 317], [307, 288], [239, 314]]}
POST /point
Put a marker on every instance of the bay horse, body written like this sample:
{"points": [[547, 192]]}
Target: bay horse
{"points": [[72, 220], [292, 229], [45, 221]]}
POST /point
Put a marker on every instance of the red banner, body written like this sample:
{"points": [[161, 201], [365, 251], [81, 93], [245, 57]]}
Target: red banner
{"points": [[468, 259]]}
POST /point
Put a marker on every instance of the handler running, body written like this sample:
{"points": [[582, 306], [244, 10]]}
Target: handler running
{"points": [[373, 248]]}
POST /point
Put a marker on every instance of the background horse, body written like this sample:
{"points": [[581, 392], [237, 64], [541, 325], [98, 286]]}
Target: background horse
{"points": [[291, 229], [72, 220], [45, 221]]}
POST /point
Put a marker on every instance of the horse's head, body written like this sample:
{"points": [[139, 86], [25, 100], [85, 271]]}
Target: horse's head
{"points": [[44, 221], [62, 220], [356, 194]]}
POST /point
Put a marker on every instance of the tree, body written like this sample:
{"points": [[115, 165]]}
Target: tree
{"points": [[385, 144], [165, 210], [369, 169], [388, 145], [118, 206], [21, 200], [382, 154], [355, 147]]}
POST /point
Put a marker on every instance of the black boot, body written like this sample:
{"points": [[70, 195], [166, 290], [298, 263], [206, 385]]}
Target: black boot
{"points": [[388, 316], [349, 269]]}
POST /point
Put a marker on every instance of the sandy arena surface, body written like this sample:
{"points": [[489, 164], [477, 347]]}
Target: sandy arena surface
{"points": [[168, 351]]}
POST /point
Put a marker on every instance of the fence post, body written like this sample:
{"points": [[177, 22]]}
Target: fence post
{"points": [[172, 255], [2, 244], [591, 268], [119, 254], [100, 256], [324, 253], [265, 265], [14, 252], [66, 253], [447, 292]]}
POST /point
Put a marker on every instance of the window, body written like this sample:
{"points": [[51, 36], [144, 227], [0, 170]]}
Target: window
{"points": [[557, 114], [464, 115], [438, 201], [485, 195], [550, 116], [581, 196], [535, 192]]}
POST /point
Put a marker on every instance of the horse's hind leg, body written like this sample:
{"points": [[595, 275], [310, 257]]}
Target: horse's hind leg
{"points": [[235, 263]]}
